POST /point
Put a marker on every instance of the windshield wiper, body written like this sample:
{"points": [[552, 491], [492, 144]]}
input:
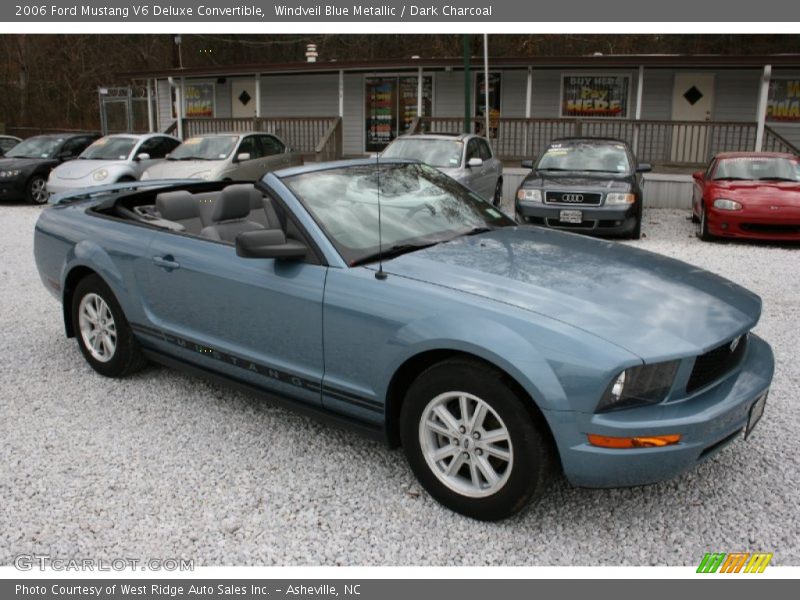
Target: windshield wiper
{"points": [[730, 179], [776, 179], [553, 169], [391, 252]]}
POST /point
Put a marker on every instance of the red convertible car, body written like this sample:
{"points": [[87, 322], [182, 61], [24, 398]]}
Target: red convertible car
{"points": [[753, 195]]}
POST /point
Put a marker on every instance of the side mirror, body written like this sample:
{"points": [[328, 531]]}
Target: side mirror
{"points": [[65, 156], [242, 156], [644, 168], [698, 176], [142, 156], [268, 243], [475, 162], [288, 150], [526, 164]]}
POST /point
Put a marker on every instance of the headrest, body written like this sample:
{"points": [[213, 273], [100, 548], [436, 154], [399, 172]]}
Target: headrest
{"points": [[233, 203], [176, 206]]}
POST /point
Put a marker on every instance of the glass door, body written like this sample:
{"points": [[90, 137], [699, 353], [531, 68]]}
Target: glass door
{"points": [[391, 106]]}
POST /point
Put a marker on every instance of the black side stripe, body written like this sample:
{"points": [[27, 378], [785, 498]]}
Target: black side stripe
{"points": [[261, 369]]}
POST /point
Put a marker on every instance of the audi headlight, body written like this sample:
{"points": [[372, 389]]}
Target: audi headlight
{"points": [[99, 175], [645, 384], [9, 174], [725, 204], [617, 198], [529, 195]]}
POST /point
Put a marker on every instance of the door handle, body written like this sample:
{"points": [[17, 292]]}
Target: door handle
{"points": [[166, 262]]}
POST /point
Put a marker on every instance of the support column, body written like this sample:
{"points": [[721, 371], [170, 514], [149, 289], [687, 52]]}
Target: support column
{"points": [[761, 117], [638, 114], [419, 93], [149, 107], [486, 120], [258, 95], [341, 93]]}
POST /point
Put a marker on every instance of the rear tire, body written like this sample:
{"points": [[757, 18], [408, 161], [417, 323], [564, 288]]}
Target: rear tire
{"points": [[636, 234], [471, 441], [104, 335]]}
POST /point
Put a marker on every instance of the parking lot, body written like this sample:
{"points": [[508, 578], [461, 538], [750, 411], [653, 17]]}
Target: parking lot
{"points": [[161, 465]]}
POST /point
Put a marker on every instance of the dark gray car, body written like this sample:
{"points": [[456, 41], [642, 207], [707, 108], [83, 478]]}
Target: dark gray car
{"points": [[465, 157], [587, 185]]}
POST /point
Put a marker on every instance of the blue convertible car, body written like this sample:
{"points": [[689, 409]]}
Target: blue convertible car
{"points": [[385, 295]]}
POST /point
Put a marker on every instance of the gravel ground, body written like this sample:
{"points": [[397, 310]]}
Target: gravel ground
{"points": [[164, 465]]}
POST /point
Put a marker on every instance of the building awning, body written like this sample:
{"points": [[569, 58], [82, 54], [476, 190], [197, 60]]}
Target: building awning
{"points": [[663, 61]]}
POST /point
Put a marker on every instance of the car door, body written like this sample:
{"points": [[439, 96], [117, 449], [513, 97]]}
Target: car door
{"points": [[494, 167], [256, 320], [250, 169], [275, 154], [157, 147], [477, 175]]}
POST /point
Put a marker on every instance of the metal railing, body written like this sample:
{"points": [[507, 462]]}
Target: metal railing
{"points": [[660, 142], [306, 135]]}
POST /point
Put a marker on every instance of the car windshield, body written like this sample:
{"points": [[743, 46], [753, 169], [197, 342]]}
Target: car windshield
{"points": [[603, 157], [419, 206], [434, 152], [40, 146], [758, 168], [109, 148], [216, 147]]}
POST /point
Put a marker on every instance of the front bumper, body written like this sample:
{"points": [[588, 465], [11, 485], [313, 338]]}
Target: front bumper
{"points": [[58, 186], [599, 220], [707, 422], [12, 190], [756, 222]]}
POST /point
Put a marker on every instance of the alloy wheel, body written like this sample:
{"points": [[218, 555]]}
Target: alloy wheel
{"points": [[38, 191], [97, 326], [466, 444]]}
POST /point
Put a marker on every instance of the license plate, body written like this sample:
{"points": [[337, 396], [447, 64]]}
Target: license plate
{"points": [[571, 216], [756, 411]]}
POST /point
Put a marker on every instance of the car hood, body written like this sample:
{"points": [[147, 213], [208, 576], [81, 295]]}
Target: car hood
{"points": [[607, 182], [784, 193], [11, 163], [79, 169], [181, 169], [653, 306]]}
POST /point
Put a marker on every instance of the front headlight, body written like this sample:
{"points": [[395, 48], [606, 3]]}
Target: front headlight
{"points": [[529, 195], [617, 198], [9, 174], [645, 384], [202, 175], [725, 204], [100, 174]]}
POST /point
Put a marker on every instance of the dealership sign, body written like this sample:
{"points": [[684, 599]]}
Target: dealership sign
{"points": [[595, 96], [783, 103]]}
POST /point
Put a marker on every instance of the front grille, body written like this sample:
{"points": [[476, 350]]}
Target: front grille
{"points": [[715, 363], [777, 229], [573, 198]]}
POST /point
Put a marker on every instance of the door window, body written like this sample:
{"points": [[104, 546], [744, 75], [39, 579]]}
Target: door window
{"points": [[250, 146], [271, 145]]}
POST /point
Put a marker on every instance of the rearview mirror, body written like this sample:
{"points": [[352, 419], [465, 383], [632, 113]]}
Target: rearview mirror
{"points": [[526, 164], [475, 162], [268, 243], [143, 156], [242, 156], [699, 175], [644, 168]]}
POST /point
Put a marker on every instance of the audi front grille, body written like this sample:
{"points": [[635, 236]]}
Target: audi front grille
{"points": [[573, 198]]}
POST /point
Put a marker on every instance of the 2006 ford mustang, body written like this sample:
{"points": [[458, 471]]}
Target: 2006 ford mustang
{"points": [[388, 296]]}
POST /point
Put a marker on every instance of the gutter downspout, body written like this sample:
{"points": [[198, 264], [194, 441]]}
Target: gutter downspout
{"points": [[178, 105]]}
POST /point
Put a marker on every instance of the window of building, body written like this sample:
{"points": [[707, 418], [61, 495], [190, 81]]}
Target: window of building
{"points": [[599, 96], [391, 106]]}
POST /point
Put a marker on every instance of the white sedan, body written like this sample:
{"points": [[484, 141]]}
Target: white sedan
{"points": [[111, 159]]}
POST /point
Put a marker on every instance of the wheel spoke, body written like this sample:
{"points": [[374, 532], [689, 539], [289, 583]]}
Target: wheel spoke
{"points": [[455, 464], [463, 404], [500, 453], [477, 417], [447, 418], [473, 474], [444, 452], [494, 436], [487, 470], [437, 428]]}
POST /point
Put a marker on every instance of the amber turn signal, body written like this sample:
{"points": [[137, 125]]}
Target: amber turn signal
{"points": [[644, 441]]}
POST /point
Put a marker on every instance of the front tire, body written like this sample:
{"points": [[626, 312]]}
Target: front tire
{"points": [[471, 441], [498, 193], [104, 336], [702, 227], [36, 190]]}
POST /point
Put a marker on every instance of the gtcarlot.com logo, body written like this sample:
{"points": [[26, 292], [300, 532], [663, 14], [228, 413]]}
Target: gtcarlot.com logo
{"points": [[735, 562], [28, 562]]}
